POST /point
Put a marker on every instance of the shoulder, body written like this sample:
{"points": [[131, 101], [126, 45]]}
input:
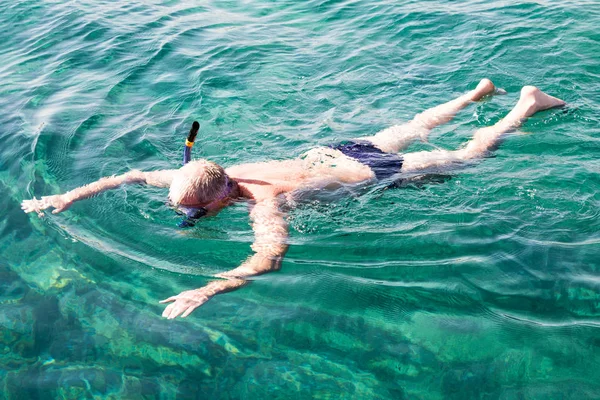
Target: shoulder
{"points": [[257, 191]]}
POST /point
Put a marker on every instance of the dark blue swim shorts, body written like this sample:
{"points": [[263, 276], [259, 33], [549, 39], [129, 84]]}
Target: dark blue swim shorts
{"points": [[383, 164]]}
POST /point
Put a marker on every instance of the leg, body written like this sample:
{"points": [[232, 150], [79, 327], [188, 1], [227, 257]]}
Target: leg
{"points": [[396, 138], [532, 100]]}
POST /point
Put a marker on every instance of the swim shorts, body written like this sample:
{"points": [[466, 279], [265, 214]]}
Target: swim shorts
{"points": [[383, 164]]}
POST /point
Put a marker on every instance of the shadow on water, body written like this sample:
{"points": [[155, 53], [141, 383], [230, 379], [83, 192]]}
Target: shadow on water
{"points": [[420, 181]]}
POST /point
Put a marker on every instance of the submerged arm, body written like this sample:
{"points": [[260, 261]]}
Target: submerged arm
{"points": [[61, 202], [270, 246]]}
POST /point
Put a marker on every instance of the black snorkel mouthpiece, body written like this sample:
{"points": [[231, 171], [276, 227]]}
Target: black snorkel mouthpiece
{"points": [[189, 143]]}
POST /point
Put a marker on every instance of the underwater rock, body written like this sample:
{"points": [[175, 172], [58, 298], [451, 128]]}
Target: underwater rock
{"points": [[62, 381], [12, 288], [304, 378], [17, 339], [452, 338]]}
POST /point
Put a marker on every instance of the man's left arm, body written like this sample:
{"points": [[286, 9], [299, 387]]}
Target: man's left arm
{"points": [[270, 245]]}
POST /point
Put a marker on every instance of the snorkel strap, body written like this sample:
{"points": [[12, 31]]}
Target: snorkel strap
{"points": [[189, 143]]}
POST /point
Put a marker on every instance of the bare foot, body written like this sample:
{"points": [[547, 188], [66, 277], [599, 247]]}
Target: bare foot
{"points": [[485, 88], [538, 100]]}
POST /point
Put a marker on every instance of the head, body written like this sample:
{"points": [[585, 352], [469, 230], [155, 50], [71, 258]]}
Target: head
{"points": [[198, 184]]}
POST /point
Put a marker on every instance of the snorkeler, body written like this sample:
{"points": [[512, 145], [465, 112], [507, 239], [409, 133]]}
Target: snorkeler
{"points": [[203, 188]]}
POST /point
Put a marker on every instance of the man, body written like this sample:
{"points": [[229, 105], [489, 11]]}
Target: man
{"points": [[204, 186]]}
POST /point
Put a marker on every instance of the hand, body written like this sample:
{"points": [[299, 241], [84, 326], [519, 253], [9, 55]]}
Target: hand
{"points": [[186, 302], [59, 202]]}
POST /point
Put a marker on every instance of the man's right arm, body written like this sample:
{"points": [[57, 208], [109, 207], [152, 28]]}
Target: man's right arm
{"points": [[61, 202], [270, 245]]}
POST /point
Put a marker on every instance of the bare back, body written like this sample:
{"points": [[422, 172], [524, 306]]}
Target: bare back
{"points": [[319, 168]]}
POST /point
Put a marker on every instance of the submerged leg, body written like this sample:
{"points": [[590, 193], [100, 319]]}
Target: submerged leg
{"points": [[398, 137], [531, 101]]}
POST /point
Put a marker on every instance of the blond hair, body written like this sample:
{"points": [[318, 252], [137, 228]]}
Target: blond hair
{"points": [[197, 182]]}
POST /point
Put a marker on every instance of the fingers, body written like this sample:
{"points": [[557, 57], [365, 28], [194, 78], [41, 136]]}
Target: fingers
{"points": [[35, 204], [167, 312], [189, 310], [172, 298], [175, 309], [182, 306], [29, 205]]}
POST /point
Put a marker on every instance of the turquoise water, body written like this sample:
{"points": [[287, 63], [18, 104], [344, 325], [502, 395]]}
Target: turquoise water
{"points": [[483, 283]]}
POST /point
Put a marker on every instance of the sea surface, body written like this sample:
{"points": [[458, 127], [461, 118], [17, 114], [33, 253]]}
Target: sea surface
{"points": [[479, 283]]}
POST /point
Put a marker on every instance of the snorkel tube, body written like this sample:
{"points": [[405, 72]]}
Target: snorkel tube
{"points": [[189, 143], [191, 214]]}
